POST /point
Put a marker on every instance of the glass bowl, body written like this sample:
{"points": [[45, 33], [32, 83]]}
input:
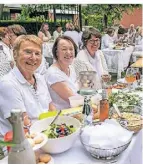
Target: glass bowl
{"points": [[131, 117], [104, 154]]}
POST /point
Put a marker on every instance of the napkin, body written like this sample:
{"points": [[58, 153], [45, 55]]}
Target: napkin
{"points": [[76, 101]]}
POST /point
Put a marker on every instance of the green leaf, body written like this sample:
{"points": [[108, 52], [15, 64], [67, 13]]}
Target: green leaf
{"points": [[2, 143]]}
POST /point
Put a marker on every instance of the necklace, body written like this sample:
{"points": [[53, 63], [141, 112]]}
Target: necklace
{"points": [[66, 72]]}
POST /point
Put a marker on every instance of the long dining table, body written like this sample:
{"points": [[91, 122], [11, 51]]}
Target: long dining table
{"points": [[78, 155], [118, 59]]}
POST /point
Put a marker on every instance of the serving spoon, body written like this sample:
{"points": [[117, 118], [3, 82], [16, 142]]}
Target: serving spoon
{"points": [[53, 120]]}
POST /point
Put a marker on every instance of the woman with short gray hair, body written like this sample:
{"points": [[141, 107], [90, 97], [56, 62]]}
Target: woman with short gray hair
{"points": [[90, 55]]}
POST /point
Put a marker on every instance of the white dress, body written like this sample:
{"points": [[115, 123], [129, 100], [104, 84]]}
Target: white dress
{"points": [[55, 75], [17, 92]]}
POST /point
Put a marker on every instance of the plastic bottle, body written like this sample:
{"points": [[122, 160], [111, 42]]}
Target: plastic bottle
{"points": [[21, 152]]}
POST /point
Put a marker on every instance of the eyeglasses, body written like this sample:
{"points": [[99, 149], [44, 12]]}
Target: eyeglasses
{"points": [[94, 41], [30, 52]]}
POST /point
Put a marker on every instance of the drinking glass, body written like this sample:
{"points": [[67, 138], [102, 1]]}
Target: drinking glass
{"points": [[106, 78], [130, 77]]}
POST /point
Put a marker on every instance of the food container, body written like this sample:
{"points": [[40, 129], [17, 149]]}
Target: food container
{"points": [[102, 146], [57, 145], [132, 118], [87, 79]]}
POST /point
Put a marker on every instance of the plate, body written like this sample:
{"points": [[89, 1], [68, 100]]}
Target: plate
{"points": [[38, 146], [122, 80]]}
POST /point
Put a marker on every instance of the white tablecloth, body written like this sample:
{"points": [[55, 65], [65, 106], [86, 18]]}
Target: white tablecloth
{"points": [[117, 60], [78, 155], [138, 48], [137, 52]]}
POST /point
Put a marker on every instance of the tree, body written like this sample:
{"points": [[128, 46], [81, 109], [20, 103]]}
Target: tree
{"points": [[108, 12], [37, 10], [1, 10]]}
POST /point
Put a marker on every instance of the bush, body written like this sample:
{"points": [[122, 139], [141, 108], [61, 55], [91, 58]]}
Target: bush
{"points": [[32, 26]]}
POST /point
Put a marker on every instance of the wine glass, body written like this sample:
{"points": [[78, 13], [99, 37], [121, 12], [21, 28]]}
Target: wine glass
{"points": [[105, 80], [130, 77]]}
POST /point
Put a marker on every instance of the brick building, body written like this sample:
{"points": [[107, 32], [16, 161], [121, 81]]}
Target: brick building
{"points": [[135, 18]]}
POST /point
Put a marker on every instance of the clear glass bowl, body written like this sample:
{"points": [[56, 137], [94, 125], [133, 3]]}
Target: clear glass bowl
{"points": [[105, 154], [132, 118]]}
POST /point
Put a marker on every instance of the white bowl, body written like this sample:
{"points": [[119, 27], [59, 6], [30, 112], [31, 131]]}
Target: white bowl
{"points": [[58, 145]]}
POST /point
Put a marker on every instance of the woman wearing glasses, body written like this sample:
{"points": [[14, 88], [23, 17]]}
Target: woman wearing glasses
{"points": [[90, 56], [22, 88], [61, 77]]}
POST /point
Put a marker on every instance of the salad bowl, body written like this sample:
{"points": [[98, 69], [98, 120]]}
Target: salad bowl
{"points": [[58, 144]]}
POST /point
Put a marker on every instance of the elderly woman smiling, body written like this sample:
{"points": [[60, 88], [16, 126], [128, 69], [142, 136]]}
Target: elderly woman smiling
{"points": [[21, 88], [90, 58], [61, 76]]}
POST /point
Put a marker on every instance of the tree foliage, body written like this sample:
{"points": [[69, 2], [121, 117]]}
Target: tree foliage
{"points": [[29, 9], [1, 10], [107, 12]]}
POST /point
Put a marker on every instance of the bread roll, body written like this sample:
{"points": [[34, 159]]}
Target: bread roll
{"points": [[33, 135], [44, 158], [40, 163], [38, 139], [27, 135], [31, 141]]}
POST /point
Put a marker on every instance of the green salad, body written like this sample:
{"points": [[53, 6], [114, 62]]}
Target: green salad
{"points": [[59, 130], [124, 99]]}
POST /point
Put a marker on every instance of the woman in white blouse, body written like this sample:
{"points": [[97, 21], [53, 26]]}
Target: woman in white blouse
{"points": [[6, 53], [90, 55], [61, 77], [45, 36], [21, 88], [107, 39]]}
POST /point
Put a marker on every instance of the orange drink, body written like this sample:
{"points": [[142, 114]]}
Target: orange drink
{"points": [[130, 78]]}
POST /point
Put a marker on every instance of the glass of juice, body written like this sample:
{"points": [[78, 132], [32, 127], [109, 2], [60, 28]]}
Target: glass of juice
{"points": [[130, 77]]}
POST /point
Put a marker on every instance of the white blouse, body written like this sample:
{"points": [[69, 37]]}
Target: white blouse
{"points": [[17, 92], [84, 62], [6, 56], [106, 41], [55, 75]]}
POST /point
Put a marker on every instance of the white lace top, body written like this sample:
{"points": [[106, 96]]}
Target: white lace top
{"points": [[55, 75], [6, 56]]}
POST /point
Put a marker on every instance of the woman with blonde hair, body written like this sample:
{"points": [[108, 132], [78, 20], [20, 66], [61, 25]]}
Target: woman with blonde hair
{"points": [[44, 33], [22, 88], [45, 36]]}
